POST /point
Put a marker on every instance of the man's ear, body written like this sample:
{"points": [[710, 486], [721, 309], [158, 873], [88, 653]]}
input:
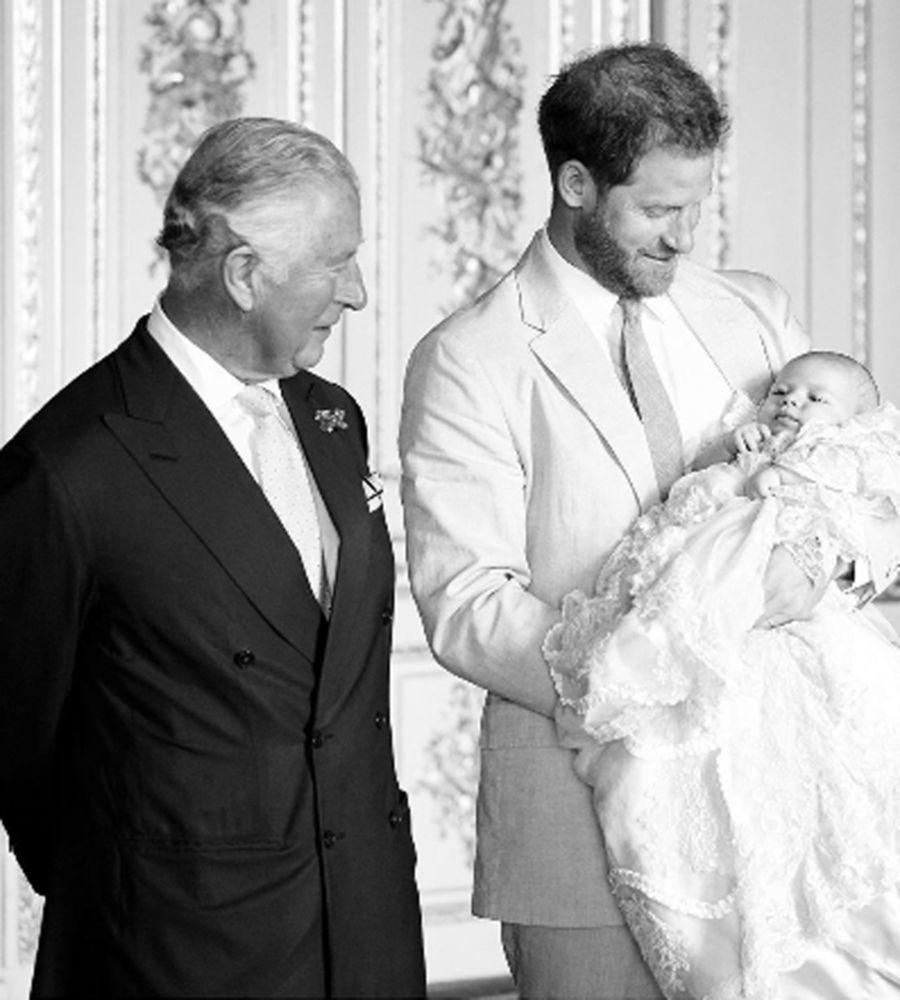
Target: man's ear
{"points": [[238, 270], [575, 185]]}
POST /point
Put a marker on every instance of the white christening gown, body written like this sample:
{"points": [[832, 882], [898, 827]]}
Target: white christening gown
{"points": [[747, 781]]}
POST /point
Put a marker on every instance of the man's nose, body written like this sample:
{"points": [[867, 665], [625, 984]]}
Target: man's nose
{"points": [[351, 290], [680, 233]]}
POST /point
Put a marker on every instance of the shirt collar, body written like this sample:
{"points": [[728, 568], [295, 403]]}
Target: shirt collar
{"points": [[212, 382], [594, 301]]}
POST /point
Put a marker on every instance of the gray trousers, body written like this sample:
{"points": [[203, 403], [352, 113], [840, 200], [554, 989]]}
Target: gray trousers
{"points": [[576, 963]]}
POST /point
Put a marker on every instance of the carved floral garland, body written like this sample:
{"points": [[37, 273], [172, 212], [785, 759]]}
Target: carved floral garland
{"points": [[197, 65], [468, 146], [452, 766]]}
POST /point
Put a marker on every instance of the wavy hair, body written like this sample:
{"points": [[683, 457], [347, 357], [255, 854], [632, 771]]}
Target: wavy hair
{"points": [[610, 107]]}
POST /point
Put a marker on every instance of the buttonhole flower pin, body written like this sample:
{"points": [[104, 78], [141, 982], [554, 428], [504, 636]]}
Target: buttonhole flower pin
{"points": [[331, 420]]}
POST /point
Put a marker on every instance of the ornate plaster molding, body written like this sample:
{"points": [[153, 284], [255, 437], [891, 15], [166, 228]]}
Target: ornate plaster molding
{"points": [[27, 216], [383, 304], [452, 764], [619, 20], [339, 14], [861, 179], [306, 47], [468, 145], [682, 34], [567, 28], [197, 66], [718, 69], [29, 910], [97, 40]]}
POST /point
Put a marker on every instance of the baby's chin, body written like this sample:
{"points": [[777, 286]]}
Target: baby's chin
{"points": [[781, 424], [782, 437]]}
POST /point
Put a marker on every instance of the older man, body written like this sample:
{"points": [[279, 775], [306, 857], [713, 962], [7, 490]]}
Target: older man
{"points": [[195, 608]]}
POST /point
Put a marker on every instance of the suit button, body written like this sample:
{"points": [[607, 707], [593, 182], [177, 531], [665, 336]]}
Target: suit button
{"points": [[244, 658], [330, 838], [317, 740], [395, 819], [387, 616], [381, 720]]}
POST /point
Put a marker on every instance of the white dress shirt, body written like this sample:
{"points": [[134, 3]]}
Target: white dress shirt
{"points": [[698, 390], [218, 389]]}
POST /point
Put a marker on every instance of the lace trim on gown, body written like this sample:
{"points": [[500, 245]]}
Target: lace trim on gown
{"points": [[750, 772]]}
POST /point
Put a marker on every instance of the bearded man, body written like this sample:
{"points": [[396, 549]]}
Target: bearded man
{"points": [[538, 423]]}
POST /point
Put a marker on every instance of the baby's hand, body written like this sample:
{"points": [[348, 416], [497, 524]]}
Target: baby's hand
{"points": [[751, 437], [763, 483]]}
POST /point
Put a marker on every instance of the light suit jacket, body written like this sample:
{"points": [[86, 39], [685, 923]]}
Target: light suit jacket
{"points": [[195, 768], [523, 464]]}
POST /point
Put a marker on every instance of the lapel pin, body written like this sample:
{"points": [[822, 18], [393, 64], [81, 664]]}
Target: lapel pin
{"points": [[331, 420]]}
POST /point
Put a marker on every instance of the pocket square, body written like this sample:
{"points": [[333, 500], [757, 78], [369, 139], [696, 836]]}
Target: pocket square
{"points": [[373, 490]]}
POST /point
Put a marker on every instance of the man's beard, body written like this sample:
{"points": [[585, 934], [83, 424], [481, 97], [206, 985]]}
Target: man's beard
{"points": [[611, 265]]}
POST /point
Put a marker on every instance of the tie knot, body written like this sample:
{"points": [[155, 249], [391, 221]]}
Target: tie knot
{"points": [[631, 309], [258, 401]]}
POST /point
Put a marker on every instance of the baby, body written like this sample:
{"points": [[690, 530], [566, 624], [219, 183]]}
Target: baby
{"points": [[821, 387], [747, 780]]}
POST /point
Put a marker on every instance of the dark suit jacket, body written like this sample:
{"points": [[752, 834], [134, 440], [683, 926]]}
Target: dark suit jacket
{"points": [[195, 768]]}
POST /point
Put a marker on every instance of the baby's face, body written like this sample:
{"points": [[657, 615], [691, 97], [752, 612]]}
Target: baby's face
{"points": [[809, 390]]}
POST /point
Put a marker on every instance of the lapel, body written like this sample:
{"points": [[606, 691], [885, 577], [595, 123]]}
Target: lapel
{"points": [[338, 470], [728, 325], [180, 446], [338, 475], [571, 353]]}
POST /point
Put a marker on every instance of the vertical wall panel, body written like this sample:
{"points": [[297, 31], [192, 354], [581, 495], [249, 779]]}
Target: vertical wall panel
{"points": [[29, 204], [767, 171], [829, 250], [885, 203]]}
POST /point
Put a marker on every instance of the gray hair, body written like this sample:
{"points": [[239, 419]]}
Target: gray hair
{"points": [[235, 187]]}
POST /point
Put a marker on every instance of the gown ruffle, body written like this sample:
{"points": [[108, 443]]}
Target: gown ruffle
{"points": [[747, 781]]}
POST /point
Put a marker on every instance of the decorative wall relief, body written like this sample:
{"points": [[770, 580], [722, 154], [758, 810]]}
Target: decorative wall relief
{"points": [[717, 71], [30, 909], [619, 15], [97, 103], [197, 65], [468, 145], [861, 170], [27, 207], [452, 766], [561, 30], [306, 34]]}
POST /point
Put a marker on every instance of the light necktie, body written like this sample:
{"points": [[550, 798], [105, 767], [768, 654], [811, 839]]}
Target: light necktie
{"points": [[650, 399], [284, 480]]}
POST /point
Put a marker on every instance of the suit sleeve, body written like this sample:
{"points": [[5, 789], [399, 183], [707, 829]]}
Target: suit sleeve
{"points": [[772, 305], [878, 572], [464, 494], [42, 599]]}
